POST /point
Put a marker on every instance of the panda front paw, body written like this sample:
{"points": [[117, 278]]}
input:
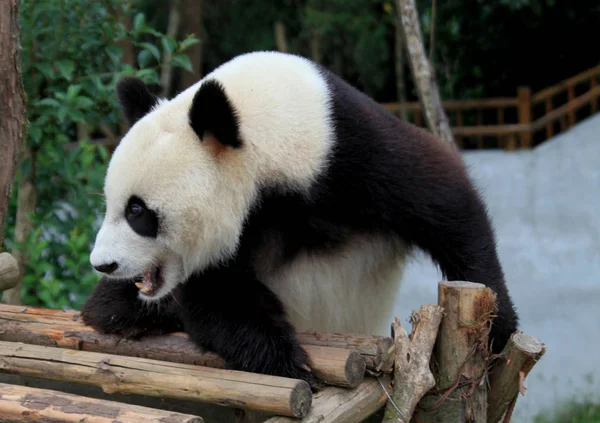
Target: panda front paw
{"points": [[114, 308], [110, 309]]}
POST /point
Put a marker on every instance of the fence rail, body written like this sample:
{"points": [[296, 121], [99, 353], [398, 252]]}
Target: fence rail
{"points": [[520, 121]]}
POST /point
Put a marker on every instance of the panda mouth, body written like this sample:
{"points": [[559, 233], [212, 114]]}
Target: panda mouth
{"points": [[151, 282]]}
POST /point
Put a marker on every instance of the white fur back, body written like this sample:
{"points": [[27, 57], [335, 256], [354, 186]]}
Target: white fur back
{"points": [[351, 290]]}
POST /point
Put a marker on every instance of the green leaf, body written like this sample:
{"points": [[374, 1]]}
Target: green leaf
{"points": [[72, 91], [48, 102], [169, 44], [144, 58], [182, 61], [84, 102], [66, 68], [148, 75], [46, 69], [35, 133], [139, 22], [190, 41], [152, 49]]}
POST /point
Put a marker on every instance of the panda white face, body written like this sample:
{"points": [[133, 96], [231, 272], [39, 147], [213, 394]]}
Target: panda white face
{"points": [[172, 207], [183, 179]]}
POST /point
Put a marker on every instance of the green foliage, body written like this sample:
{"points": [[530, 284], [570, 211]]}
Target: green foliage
{"points": [[71, 60]]}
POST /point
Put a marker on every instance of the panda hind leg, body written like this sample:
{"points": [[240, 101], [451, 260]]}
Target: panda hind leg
{"points": [[114, 308]]}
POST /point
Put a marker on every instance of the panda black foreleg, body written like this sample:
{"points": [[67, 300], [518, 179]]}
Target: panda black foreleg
{"points": [[114, 308], [234, 315]]}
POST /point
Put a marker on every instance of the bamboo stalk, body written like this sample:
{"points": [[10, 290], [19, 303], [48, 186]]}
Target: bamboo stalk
{"points": [[334, 364], [511, 368], [116, 374], [339, 405], [21, 403]]}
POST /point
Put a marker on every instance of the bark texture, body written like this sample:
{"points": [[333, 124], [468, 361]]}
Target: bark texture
{"points": [[12, 103]]}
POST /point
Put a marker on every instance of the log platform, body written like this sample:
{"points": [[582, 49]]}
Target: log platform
{"points": [[363, 378]]}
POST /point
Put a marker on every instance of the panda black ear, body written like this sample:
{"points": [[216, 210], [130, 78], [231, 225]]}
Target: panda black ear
{"points": [[135, 98], [211, 111]]}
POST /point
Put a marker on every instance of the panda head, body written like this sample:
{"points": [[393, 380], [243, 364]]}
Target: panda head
{"points": [[176, 188], [182, 181]]}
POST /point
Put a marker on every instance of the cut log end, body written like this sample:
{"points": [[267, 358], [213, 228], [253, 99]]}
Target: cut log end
{"points": [[9, 271], [461, 285], [301, 399], [528, 344], [355, 369]]}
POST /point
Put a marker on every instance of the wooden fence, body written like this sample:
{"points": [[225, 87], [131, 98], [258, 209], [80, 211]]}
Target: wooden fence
{"points": [[516, 122]]}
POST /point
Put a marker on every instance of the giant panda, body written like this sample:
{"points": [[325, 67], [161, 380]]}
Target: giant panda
{"points": [[273, 197]]}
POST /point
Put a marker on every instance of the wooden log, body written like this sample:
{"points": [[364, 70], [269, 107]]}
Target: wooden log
{"points": [[460, 353], [511, 368], [54, 328], [378, 351], [9, 272], [412, 371], [336, 366], [21, 403], [116, 374], [339, 405]]}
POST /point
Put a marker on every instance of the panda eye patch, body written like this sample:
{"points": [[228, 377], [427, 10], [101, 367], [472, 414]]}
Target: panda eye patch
{"points": [[141, 219]]}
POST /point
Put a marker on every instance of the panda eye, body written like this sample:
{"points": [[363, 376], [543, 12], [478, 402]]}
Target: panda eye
{"points": [[134, 209]]}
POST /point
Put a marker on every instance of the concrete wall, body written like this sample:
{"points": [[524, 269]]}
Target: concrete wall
{"points": [[545, 205]]}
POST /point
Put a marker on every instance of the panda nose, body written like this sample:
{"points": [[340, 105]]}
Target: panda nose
{"points": [[107, 268]]}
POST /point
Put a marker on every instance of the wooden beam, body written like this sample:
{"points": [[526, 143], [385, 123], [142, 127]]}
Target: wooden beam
{"points": [[563, 110], [55, 328], [126, 375], [339, 405], [21, 403], [563, 85]]}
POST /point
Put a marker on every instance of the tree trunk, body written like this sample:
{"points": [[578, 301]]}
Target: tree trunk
{"points": [[280, 37], [172, 30], [12, 103], [422, 72], [192, 23], [26, 202], [399, 56], [315, 46]]}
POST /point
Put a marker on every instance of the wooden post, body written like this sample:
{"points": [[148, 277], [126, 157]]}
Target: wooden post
{"points": [[461, 351], [9, 272], [479, 123], [524, 110], [412, 373], [571, 97], [549, 125], [26, 404], [594, 84], [511, 368]]}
